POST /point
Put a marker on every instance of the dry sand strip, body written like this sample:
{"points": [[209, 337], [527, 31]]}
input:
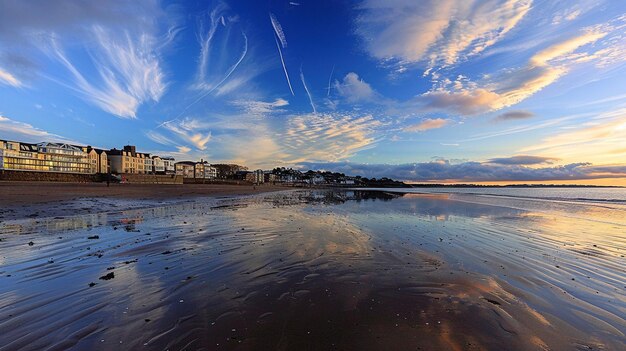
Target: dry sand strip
{"points": [[45, 199]]}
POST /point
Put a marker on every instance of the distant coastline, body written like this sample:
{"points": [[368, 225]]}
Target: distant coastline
{"points": [[510, 186]]}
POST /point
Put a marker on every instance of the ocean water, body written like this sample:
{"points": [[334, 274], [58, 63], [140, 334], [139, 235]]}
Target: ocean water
{"points": [[580, 194], [595, 204], [319, 270]]}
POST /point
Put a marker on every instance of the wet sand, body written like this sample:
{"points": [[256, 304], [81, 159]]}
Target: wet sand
{"points": [[314, 270], [43, 199]]}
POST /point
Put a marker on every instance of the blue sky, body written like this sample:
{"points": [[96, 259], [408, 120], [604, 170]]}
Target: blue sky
{"points": [[440, 90]]}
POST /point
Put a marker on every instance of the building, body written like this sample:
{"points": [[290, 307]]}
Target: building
{"points": [[169, 165], [317, 180], [98, 160], [205, 170], [158, 166], [185, 169], [148, 164], [347, 181], [210, 172], [270, 177], [199, 170], [44, 157], [127, 160], [256, 177]]}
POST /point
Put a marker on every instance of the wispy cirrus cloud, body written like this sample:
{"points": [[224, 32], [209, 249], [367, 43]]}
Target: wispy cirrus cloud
{"points": [[217, 35], [511, 86], [436, 33], [15, 130], [189, 131], [114, 40], [129, 72], [9, 79], [159, 138]]}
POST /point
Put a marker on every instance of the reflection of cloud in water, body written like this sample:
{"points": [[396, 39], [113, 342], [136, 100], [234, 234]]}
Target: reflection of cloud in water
{"points": [[375, 269]]}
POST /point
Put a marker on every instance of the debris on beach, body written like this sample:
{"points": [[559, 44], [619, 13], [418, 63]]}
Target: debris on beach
{"points": [[108, 276]]}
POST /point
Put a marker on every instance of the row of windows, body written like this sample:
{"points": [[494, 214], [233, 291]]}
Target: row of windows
{"points": [[58, 168], [49, 163], [62, 151]]}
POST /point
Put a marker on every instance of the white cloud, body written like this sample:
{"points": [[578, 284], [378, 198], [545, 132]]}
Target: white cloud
{"points": [[354, 89], [189, 130], [278, 29], [566, 15], [9, 79], [217, 62], [437, 32], [183, 149], [118, 44], [159, 138], [511, 86], [328, 137], [427, 124], [264, 142], [129, 72], [261, 107]]}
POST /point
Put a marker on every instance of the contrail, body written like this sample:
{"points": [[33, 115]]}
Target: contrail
{"points": [[307, 90], [329, 79], [280, 53], [279, 30], [230, 71], [205, 42]]}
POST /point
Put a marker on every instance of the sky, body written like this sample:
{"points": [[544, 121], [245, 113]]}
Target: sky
{"points": [[421, 91]]}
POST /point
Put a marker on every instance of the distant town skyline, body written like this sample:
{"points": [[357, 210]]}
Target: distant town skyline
{"points": [[497, 91]]}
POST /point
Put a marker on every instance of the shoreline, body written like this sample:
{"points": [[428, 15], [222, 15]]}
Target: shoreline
{"points": [[28, 200]]}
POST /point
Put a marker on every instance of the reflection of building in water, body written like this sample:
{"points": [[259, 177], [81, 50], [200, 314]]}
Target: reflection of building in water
{"points": [[134, 220], [329, 196], [55, 225]]}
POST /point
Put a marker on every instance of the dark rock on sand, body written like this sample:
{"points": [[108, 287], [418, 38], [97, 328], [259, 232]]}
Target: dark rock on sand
{"points": [[108, 276]]}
